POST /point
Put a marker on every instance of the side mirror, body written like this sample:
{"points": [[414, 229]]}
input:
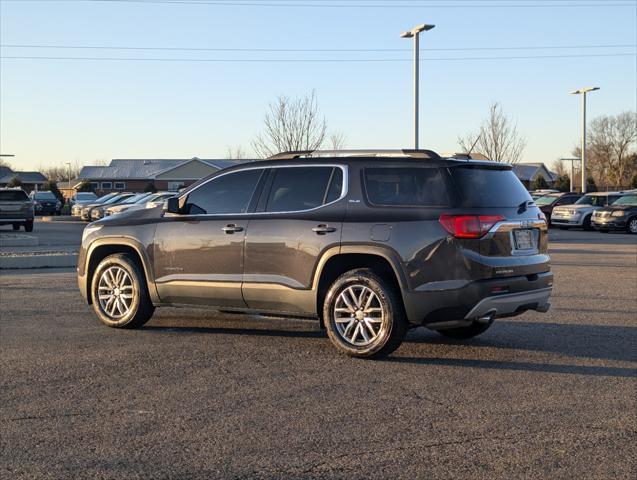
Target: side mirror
{"points": [[172, 205]]}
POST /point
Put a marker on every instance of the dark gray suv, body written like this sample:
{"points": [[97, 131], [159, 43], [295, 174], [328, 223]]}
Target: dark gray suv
{"points": [[369, 243]]}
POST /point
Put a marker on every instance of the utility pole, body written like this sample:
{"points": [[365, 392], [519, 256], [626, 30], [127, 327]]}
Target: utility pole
{"points": [[415, 34], [583, 92], [69, 199]]}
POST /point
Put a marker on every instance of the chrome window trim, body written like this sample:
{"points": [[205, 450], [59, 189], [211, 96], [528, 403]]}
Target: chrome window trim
{"points": [[344, 190]]}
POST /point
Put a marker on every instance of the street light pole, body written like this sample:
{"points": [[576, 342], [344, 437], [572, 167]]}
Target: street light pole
{"points": [[572, 177], [583, 92], [415, 34]]}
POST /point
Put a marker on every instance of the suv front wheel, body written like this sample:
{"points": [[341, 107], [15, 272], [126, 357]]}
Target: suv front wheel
{"points": [[363, 315], [119, 292]]}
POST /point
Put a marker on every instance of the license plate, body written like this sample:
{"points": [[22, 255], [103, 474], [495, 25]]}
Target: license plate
{"points": [[523, 239]]}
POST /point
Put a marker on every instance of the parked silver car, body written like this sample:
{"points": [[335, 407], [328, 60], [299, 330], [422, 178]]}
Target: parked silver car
{"points": [[579, 214], [152, 200]]}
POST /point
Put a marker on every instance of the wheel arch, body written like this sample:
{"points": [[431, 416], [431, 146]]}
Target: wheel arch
{"points": [[103, 248], [338, 261]]}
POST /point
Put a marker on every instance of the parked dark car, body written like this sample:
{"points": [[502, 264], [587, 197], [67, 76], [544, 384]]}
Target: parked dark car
{"points": [[548, 202], [16, 209], [621, 215], [369, 243], [46, 203]]}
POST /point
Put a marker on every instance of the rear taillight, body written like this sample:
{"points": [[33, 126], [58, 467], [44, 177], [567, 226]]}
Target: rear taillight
{"points": [[469, 226]]}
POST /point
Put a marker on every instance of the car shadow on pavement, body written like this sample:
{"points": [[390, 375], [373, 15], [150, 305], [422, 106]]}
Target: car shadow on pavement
{"points": [[262, 332], [605, 342], [521, 366]]}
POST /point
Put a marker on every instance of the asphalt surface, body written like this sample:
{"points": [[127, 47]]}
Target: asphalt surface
{"points": [[52, 234], [195, 394]]}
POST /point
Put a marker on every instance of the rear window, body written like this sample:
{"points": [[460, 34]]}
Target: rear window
{"points": [[420, 187], [13, 196], [485, 187]]}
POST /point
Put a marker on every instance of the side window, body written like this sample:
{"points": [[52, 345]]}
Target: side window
{"points": [[335, 189], [406, 187], [302, 188], [226, 194]]}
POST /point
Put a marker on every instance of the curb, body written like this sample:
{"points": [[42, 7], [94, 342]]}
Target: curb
{"points": [[16, 240], [37, 261]]}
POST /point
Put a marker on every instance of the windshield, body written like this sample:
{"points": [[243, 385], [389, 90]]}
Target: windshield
{"points": [[489, 187], [106, 197], [546, 200], [116, 199], [44, 196], [13, 196], [630, 200], [595, 200], [143, 198]]}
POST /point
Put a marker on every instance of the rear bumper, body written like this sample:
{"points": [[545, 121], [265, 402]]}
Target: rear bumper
{"points": [[15, 219], [507, 296]]}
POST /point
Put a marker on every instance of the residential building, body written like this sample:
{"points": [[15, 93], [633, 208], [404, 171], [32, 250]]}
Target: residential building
{"points": [[30, 180], [135, 175], [529, 172]]}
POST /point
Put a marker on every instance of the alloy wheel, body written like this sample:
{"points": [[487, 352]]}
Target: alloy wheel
{"points": [[359, 315], [115, 292], [632, 226]]}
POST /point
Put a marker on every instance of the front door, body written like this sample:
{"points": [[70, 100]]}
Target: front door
{"points": [[199, 253]]}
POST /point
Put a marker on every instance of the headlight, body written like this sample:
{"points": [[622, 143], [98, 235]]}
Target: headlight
{"points": [[90, 228], [618, 213], [37, 204]]}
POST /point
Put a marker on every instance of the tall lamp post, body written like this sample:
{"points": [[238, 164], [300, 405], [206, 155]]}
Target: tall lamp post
{"points": [[583, 92], [69, 199], [415, 33]]}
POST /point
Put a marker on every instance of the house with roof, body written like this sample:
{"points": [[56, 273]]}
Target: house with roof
{"points": [[30, 180], [134, 175], [529, 172]]}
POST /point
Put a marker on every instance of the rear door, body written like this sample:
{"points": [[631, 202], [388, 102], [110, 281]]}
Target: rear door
{"points": [[300, 216], [198, 255]]}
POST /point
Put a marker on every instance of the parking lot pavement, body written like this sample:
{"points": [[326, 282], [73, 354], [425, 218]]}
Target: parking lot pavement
{"points": [[53, 234], [196, 394]]}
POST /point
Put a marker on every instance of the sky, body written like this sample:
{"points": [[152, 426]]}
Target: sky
{"points": [[59, 110]]}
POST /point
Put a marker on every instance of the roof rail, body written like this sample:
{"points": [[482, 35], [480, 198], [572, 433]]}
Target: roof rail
{"points": [[355, 153]]}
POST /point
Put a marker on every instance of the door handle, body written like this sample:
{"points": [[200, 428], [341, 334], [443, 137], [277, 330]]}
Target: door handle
{"points": [[323, 229], [232, 228]]}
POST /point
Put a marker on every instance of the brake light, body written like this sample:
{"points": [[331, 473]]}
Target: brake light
{"points": [[469, 226]]}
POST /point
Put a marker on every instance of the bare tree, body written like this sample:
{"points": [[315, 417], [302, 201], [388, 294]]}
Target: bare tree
{"points": [[4, 163], [611, 148], [338, 140], [61, 172], [558, 167], [236, 153], [497, 139], [291, 124]]}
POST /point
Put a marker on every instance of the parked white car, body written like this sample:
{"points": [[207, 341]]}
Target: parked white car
{"points": [[154, 200], [579, 214]]}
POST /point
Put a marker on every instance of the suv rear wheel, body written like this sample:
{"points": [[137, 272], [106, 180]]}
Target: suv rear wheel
{"points": [[119, 291], [631, 225], [363, 315]]}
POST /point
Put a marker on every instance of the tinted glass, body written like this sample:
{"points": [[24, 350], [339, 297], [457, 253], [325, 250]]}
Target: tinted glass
{"points": [[627, 200], [483, 187], [335, 189], [13, 196], [406, 186], [117, 199], [298, 188], [85, 196], [226, 194]]}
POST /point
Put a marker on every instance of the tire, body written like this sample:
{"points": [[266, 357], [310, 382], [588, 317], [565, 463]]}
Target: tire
{"points": [[28, 226], [15, 226], [586, 224], [631, 225], [108, 275], [373, 336], [462, 333]]}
